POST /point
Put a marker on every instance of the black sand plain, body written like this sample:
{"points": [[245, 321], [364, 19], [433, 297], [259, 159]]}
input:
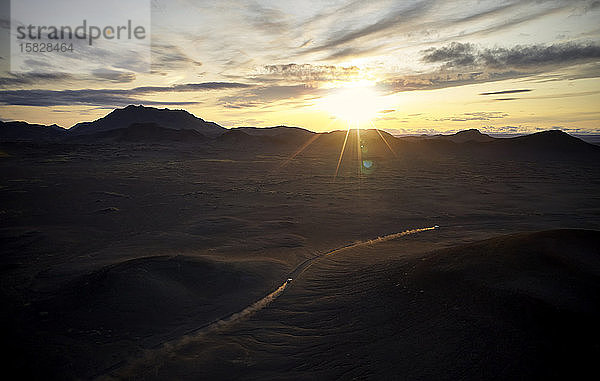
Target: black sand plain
{"points": [[118, 254]]}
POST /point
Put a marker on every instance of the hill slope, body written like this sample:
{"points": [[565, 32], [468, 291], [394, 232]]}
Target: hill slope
{"points": [[22, 131], [141, 133], [523, 306]]}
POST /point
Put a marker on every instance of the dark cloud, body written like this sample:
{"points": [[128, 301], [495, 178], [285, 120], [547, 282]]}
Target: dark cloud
{"points": [[311, 73], [452, 55], [14, 79], [464, 64], [105, 97], [506, 99], [444, 79], [45, 98], [459, 54], [506, 92]]}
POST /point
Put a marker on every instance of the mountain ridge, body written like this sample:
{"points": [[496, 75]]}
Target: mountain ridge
{"points": [[152, 125], [173, 119]]}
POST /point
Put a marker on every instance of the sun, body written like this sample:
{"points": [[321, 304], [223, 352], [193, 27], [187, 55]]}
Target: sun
{"points": [[354, 104]]}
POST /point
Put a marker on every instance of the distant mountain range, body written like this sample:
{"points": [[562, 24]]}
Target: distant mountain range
{"points": [[139, 124], [465, 136], [23, 131]]}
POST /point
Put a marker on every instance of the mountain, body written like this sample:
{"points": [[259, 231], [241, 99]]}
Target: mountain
{"points": [[550, 143], [278, 131], [546, 145], [472, 135], [173, 119], [552, 139], [23, 131], [236, 138], [140, 133], [250, 138]]}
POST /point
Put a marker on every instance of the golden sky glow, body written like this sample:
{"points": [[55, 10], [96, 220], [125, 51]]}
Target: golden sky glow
{"points": [[408, 67]]}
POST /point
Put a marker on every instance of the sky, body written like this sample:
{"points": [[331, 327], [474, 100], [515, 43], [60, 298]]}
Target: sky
{"points": [[408, 67]]}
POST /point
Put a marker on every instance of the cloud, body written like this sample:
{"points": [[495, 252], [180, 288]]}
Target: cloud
{"points": [[412, 131], [350, 52], [106, 97], [310, 73], [459, 54], [14, 79], [45, 98], [468, 116], [443, 79], [166, 56], [389, 20], [465, 63], [265, 95], [452, 55], [272, 21], [114, 75], [506, 92], [566, 95], [589, 70], [191, 87], [413, 23]]}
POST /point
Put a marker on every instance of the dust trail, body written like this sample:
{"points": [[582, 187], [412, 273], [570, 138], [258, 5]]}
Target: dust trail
{"points": [[306, 264], [246, 312], [159, 352], [262, 303]]}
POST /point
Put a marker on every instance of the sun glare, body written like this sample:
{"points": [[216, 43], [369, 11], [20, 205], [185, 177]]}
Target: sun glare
{"points": [[356, 105]]}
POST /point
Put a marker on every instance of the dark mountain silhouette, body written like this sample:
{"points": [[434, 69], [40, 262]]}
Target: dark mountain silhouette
{"points": [[148, 124], [552, 139], [279, 131], [23, 131], [553, 144], [173, 119], [237, 138], [140, 133], [472, 135], [256, 137], [549, 145]]}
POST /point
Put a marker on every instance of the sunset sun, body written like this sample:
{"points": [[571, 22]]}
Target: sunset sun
{"points": [[355, 104]]}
